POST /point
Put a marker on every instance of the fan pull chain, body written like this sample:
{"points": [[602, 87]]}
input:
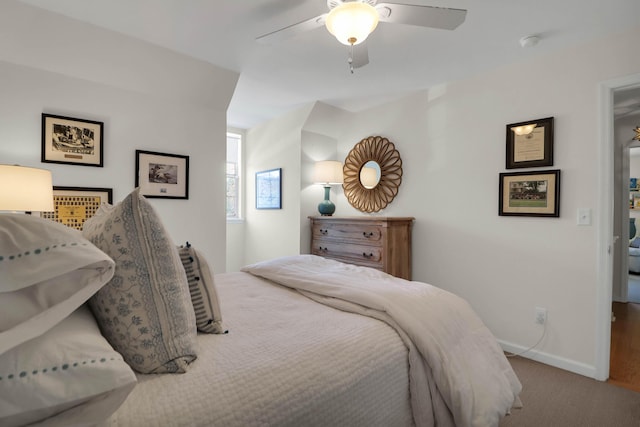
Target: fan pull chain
{"points": [[350, 60], [352, 40]]}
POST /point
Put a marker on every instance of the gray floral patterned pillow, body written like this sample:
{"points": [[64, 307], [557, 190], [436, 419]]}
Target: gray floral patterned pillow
{"points": [[145, 311]]}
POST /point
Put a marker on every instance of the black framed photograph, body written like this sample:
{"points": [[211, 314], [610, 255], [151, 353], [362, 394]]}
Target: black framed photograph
{"points": [[72, 141], [530, 144], [162, 175], [269, 189], [73, 206], [535, 193]]}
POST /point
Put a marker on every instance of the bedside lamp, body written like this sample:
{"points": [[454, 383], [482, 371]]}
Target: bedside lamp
{"points": [[25, 189], [327, 173]]}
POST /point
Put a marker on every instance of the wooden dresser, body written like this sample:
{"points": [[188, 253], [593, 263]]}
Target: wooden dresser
{"points": [[383, 243]]}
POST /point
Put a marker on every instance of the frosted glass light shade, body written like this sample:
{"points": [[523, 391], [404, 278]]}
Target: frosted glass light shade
{"points": [[25, 189], [524, 130], [328, 172], [351, 23]]}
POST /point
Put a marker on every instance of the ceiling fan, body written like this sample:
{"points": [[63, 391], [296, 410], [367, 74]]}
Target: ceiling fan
{"points": [[351, 22]]}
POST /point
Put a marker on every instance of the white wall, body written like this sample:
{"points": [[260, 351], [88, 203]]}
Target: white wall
{"points": [[294, 142], [235, 245], [322, 130], [149, 98], [276, 144], [452, 142]]}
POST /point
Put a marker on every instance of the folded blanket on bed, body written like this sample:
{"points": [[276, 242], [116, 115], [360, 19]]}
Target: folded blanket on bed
{"points": [[458, 372]]}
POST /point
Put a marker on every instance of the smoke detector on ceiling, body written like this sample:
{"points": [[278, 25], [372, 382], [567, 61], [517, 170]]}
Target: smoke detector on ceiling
{"points": [[529, 41]]}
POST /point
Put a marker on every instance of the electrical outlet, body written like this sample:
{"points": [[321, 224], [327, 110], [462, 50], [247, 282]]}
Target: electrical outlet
{"points": [[541, 315]]}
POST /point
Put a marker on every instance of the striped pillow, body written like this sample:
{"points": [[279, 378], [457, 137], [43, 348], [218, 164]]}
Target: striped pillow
{"points": [[203, 292]]}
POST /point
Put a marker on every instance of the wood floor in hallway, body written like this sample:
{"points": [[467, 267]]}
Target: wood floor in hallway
{"points": [[625, 346]]}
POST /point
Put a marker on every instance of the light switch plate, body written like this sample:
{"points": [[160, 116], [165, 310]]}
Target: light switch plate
{"points": [[584, 216]]}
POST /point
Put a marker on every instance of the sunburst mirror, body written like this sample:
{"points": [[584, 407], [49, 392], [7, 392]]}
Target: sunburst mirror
{"points": [[372, 174]]}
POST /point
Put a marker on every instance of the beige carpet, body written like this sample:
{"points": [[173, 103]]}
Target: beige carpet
{"points": [[556, 398]]}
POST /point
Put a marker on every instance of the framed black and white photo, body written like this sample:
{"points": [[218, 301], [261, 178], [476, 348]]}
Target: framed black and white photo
{"points": [[269, 189], [535, 193], [72, 141], [162, 175], [530, 144], [73, 206]]}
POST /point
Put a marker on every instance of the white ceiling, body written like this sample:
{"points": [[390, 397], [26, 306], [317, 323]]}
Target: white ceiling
{"points": [[313, 66]]}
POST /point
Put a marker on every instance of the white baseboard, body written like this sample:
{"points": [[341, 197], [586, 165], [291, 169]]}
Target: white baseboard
{"points": [[550, 359]]}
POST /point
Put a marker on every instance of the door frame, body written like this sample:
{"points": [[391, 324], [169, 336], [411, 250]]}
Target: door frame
{"points": [[605, 239]]}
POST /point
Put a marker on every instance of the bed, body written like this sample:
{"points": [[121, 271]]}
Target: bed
{"points": [[328, 367], [303, 340]]}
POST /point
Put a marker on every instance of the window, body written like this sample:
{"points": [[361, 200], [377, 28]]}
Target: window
{"points": [[234, 142]]}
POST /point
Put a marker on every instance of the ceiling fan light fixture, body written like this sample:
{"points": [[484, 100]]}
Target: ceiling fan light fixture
{"points": [[352, 22]]}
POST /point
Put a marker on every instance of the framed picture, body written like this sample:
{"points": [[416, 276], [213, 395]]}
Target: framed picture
{"points": [[72, 206], [162, 175], [535, 193], [530, 144], [72, 141], [269, 189]]}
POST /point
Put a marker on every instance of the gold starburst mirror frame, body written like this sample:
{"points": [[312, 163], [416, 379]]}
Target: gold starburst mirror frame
{"points": [[637, 130], [372, 174]]}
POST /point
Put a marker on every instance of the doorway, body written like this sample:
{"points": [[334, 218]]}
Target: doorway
{"points": [[625, 345], [607, 242], [617, 102]]}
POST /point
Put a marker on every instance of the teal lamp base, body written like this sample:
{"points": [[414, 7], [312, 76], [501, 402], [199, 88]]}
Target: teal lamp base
{"points": [[326, 207]]}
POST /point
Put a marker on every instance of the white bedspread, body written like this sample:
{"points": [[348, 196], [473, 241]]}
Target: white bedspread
{"points": [[286, 361], [448, 344]]}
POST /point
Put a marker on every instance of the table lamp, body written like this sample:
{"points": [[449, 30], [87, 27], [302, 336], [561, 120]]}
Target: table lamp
{"points": [[327, 173], [25, 189]]}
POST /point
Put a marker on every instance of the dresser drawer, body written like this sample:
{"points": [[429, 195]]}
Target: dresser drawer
{"points": [[360, 254], [367, 234]]}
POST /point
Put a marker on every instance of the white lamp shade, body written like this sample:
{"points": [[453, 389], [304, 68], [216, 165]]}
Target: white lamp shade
{"points": [[351, 23], [328, 172], [25, 189]]}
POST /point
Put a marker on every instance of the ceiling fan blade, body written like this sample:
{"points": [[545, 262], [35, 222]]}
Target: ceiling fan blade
{"points": [[359, 55], [423, 16], [293, 30]]}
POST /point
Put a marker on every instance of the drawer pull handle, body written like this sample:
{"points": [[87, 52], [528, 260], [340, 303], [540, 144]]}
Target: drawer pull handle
{"points": [[367, 235], [324, 231], [323, 249], [364, 254]]}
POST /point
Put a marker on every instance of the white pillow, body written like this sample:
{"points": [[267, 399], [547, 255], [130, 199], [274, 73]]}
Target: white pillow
{"points": [[69, 375], [47, 270]]}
